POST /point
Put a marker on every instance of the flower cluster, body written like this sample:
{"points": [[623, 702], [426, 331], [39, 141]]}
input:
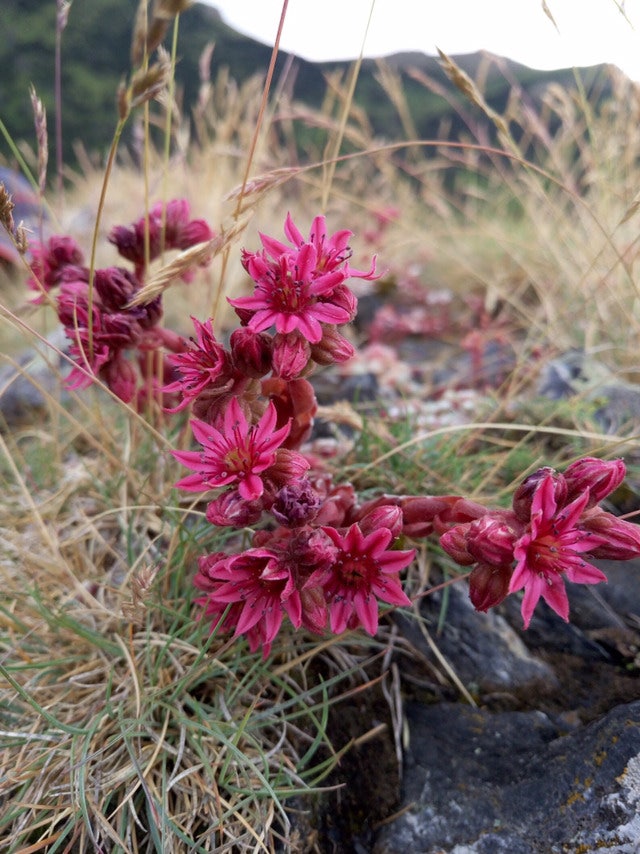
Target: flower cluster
{"points": [[319, 559], [544, 539], [110, 339], [318, 556], [311, 553]]}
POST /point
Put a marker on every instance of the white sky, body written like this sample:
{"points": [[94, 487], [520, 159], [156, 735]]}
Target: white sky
{"points": [[590, 31]]}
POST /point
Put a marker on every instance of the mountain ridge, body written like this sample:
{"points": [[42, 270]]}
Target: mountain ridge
{"points": [[95, 58]]}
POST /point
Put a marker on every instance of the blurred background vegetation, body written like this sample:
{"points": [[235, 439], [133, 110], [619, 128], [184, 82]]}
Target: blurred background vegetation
{"points": [[95, 57]]}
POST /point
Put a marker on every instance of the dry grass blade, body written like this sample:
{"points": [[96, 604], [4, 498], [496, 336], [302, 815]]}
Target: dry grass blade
{"points": [[6, 208], [465, 84], [186, 260]]}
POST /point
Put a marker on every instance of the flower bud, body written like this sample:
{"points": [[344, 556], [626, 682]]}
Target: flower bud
{"points": [[384, 516], [620, 540], [456, 512], [120, 376], [419, 512], [600, 477], [488, 585], [296, 504], [332, 348], [115, 287], [523, 496], [290, 355], [230, 510], [251, 351], [454, 542], [491, 540]]}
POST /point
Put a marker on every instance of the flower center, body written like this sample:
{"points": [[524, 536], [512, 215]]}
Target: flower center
{"points": [[238, 460], [544, 553], [355, 570]]}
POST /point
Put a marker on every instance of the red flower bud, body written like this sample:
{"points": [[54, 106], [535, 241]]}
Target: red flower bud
{"points": [[384, 516], [458, 511], [420, 511], [291, 354], [454, 542], [491, 540], [251, 351], [600, 477], [523, 496], [232, 511], [332, 347], [488, 585], [622, 539]]}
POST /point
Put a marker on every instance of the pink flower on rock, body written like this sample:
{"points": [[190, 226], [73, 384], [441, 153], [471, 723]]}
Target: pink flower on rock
{"points": [[236, 454], [363, 571], [551, 550]]}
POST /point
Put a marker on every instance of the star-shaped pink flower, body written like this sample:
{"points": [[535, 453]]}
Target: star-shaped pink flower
{"points": [[236, 454], [551, 551], [363, 571]]}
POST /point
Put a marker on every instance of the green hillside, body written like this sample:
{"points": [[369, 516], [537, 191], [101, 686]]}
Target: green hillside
{"points": [[95, 57]]}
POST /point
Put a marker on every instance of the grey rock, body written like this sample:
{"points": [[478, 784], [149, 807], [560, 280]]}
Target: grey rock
{"points": [[486, 653], [578, 373], [39, 373], [481, 783]]}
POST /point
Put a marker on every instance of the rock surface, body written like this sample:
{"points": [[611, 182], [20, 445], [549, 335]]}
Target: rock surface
{"points": [[517, 782]]}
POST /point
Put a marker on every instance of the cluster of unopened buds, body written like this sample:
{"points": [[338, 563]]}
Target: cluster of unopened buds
{"points": [[318, 556], [121, 344]]}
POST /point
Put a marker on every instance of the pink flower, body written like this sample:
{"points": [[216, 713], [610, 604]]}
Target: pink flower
{"points": [[238, 453], [259, 590], [551, 550], [287, 296], [331, 252], [363, 569], [203, 365], [300, 287]]}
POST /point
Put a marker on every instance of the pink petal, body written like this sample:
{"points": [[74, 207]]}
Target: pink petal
{"points": [[318, 230], [309, 326], [205, 433], [367, 610], [274, 247], [532, 593], [293, 607], [585, 573], [250, 487], [250, 615], [339, 613], [521, 574], [192, 483], [329, 313], [272, 620], [555, 595], [190, 459], [391, 592]]}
